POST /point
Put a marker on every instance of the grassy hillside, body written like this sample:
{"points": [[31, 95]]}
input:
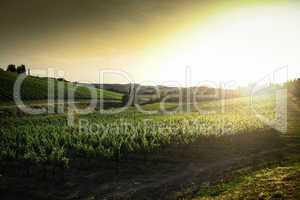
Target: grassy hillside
{"points": [[36, 88]]}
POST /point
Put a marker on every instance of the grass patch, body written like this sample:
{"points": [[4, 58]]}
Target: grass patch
{"points": [[276, 182]]}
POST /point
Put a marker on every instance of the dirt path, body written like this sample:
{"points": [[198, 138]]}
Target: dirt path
{"points": [[160, 176], [193, 174]]}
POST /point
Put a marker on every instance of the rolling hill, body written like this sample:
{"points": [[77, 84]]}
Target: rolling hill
{"points": [[36, 88]]}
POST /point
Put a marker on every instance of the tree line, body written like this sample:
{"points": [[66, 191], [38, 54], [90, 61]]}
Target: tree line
{"points": [[19, 69]]}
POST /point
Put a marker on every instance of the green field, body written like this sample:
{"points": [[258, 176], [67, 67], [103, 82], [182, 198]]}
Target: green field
{"points": [[36, 88], [175, 144], [49, 138]]}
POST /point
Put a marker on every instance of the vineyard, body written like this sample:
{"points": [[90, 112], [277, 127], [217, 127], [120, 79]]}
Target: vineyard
{"points": [[154, 141], [49, 139]]}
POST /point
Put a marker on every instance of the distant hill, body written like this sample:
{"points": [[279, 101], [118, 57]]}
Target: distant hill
{"points": [[150, 93], [124, 88], [36, 88]]}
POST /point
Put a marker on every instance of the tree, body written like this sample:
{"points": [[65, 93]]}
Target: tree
{"points": [[21, 69], [11, 68]]}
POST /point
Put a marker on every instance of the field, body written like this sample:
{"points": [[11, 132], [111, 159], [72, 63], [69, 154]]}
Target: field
{"points": [[36, 88], [149, 100], [116, 148], [50, 139], [159, 150]]}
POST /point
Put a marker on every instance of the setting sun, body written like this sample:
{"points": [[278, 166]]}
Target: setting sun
{"points": [[242, 45], [155, 41]]}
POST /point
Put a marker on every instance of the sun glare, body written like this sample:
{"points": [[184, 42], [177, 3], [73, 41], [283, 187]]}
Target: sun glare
{"points": [[237, 46]]}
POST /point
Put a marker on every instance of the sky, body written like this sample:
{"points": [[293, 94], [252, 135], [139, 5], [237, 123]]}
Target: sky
{"points": [[152, 41]]}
